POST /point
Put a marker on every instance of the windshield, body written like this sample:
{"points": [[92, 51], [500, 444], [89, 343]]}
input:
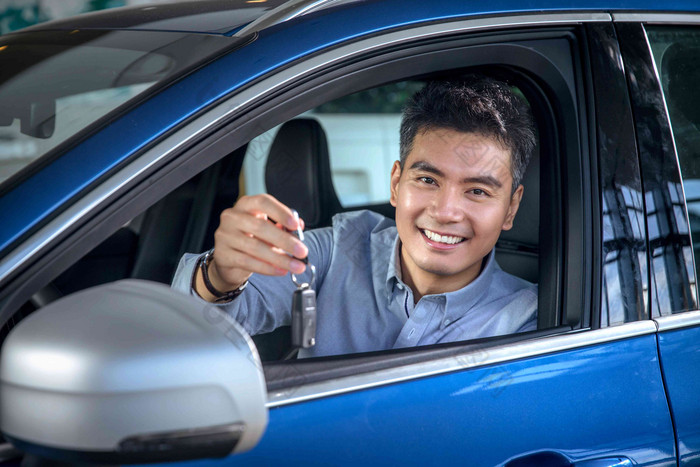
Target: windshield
{"points": [[54, 85]]}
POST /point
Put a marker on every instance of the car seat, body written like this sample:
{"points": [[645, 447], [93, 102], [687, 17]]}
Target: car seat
{"points": [[517, 250], [298, 172]]}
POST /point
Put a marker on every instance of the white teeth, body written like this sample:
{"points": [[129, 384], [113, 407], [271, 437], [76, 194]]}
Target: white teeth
{"points": [[442, 238]]}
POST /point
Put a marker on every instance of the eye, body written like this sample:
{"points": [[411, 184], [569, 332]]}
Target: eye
{"points": [[479, 192], [427, 180]]}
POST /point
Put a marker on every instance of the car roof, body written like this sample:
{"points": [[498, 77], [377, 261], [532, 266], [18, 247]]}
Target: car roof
{"points": [[229, 16]]}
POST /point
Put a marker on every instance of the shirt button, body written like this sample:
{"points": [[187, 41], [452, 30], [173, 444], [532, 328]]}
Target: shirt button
{"points": [[446, 322], [400, 287]]}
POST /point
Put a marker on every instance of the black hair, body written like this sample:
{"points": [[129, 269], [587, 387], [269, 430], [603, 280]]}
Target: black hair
{"points": [[473, 104]]}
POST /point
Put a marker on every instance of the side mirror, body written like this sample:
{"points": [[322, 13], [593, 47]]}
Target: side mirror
{"points": [[131, 372]]}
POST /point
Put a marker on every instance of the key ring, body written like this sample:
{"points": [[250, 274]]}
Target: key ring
{"points": [[305, 285], [300, 234]]}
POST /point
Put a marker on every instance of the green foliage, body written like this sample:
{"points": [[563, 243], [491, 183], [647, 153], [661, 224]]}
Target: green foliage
{"points": [[382, 100], [24, 14], [13, 18], [95, 5]]}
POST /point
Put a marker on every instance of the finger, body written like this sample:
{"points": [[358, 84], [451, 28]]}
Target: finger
{"points": [[233, 224], [238, 250], [250, 264], [270, 206]]}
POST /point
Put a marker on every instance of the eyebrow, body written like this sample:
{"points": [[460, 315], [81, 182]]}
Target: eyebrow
{"points": [[489, 180]]}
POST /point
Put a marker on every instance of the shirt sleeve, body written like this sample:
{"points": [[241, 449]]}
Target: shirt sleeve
{"points": [[266, 302]]}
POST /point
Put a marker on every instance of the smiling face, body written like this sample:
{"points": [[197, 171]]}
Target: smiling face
{"points": [[453, 198]]}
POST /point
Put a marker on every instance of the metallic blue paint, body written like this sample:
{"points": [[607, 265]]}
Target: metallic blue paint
{"points": [[680, 361], [483, 416], [58, 183], [486, 416]]}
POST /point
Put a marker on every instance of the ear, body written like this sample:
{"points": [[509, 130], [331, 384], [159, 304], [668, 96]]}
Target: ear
{"points": [[513, 208], [395, 177]]}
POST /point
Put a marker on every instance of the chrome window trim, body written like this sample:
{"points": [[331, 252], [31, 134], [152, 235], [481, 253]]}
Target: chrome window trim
{"points": [[681, 320], [657, 18], [468, 360], [44, 236], [285, 12]]}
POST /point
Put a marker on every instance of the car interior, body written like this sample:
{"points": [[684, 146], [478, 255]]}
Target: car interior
{"points": [[150, 245]]}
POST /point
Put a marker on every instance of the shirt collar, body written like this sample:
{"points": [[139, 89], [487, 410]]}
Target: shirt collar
{"points": [[461, 301], [457, 302]]}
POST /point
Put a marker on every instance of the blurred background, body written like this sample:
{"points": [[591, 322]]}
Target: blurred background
{"points": [[18, 14]]}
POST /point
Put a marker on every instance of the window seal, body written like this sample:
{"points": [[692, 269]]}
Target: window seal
{"points": [[471, 358]]}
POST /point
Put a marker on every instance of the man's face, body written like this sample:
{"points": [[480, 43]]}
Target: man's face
{"points": [[452, 200]]}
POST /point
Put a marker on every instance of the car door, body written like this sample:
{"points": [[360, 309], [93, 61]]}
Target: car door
{"points": [[586, 386], [666, 65]]}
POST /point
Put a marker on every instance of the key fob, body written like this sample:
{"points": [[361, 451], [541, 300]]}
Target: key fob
{"points": [[304, 318]]}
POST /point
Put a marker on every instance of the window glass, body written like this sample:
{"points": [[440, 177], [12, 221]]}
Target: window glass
{"points": [[624, 265], [72, 114], [362, 131], [676, 53], [53, 85]]}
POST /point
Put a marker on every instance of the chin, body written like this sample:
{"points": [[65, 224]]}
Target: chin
{"points": [[441, 269]]}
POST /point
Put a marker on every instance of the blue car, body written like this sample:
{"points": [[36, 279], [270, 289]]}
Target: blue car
{"points": [[124, 134]]}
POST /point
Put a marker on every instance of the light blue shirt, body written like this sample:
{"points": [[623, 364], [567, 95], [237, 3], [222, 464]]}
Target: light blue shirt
{"points": [[362, 303]]}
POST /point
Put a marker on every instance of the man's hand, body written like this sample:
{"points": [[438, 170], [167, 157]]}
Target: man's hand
{"points": [[251, 239]]}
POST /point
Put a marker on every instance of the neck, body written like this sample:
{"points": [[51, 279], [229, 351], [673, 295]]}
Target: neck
{"points": [[425, 283]]}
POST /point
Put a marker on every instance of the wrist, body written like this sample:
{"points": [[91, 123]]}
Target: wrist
{"points": [[208, 285]]}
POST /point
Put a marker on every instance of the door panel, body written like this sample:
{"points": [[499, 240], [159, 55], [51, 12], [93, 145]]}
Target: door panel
{"points": [[599, 401], [680, 359]]}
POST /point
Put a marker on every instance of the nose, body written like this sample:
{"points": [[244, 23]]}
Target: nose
{"points": [[447, 206]]}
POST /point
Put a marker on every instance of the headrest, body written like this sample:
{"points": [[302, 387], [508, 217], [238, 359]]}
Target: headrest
{"points": [[526, 226], [681, 69], [298, 172]]}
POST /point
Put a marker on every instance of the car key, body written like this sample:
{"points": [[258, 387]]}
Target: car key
{"points": [[303, 317], [303, 306], [300, 235]]}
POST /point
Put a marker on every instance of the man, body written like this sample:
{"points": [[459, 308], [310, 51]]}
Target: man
{"points": [[431, 277]]}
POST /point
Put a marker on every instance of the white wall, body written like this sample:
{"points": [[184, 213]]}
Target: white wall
{"points": [[362, 149]]}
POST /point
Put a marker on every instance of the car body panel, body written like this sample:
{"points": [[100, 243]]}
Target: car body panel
{"points": [[598, 400], [680, 361], [487, 415]]}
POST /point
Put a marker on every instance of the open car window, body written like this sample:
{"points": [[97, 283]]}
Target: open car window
{"points": [[362, 135], [146, 247], [365, 123]]}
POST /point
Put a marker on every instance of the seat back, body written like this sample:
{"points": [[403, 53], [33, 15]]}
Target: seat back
{"points": [[517, 250], [298, 172]]}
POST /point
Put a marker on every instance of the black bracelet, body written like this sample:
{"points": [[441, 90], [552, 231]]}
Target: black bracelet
{"points": [[221, 297]]}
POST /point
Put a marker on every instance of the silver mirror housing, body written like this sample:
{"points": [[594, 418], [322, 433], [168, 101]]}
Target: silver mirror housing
{"points": [[131, 371]]}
